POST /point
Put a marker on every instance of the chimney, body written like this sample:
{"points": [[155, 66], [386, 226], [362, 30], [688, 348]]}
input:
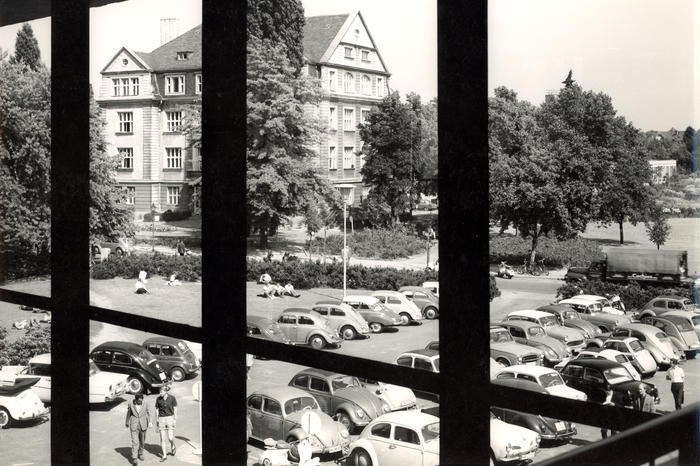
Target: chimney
{"points": [[168, 29]]}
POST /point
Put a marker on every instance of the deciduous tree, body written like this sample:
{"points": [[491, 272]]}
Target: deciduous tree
{"points": [[658, 229], [281, 22]]}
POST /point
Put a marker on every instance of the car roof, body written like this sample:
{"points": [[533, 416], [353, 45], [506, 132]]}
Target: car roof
{"points": [[340, 305], [41, 359], [524, 324], [530, 313], [591, 296], [159, 339], [410, 417], [669, 296], [329, 301], [688, 314], [625, 339], [598, 363], [301, 310], [119, 345], [528, 369], [414, 288], [640, 327], [317, 372], [431, 283], [361, 298], [555, 308], [281, 392], [521, 384], [387, 292], [578, 299], [423, 352]]}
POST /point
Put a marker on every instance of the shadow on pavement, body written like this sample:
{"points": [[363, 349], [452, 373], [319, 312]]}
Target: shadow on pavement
{"points": [[29, 423], [103, 407]]}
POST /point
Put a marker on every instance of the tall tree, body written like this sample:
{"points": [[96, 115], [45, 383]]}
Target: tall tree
{"points": [[27, 48], [429, 148], [280, 21], [658, 229]]}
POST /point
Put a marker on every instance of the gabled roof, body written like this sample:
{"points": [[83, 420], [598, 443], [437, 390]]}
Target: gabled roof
{"points": [[164, 58], [319, 32], [137, 56]]}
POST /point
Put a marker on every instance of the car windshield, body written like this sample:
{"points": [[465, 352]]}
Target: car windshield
{"points": [[568, 315], [297, 404], [536, 331], [551, 380], [93, 368], [617, 375], [500, 336], [682, 323], [431, 432], [345, 381], [636, 346], [661, 336], [548, 321]]}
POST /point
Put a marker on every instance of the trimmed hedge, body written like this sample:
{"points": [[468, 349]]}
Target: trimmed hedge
{"points": [[305, 275], [633, 295], [171, 216], [188, 268], [573, 252], [373, 243]]}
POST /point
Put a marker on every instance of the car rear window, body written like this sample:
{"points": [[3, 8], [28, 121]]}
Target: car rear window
{"points": [[536, 331], [431, 431], [682, 324], [550, 380], [548, 321], [500, 336], [297, 404], [617, 375], [636, 346], [661, 336]]}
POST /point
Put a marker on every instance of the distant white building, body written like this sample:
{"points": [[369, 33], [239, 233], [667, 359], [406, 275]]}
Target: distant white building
{"points": [[662, 170]]}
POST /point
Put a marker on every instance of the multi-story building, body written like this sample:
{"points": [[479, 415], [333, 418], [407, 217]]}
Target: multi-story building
{"points": [[144, 97], [340, 51]]}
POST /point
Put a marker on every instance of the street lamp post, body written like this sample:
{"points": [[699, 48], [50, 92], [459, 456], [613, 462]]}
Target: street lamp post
{"points": [[346, 190], [153, 226]]}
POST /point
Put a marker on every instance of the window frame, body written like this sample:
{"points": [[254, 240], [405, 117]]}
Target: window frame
{"points": [[349, 124], [129, 151], [125, 125], [173, 125], [333, 157], [168, 80], [173, 158], [175, 195], [350, 158]]}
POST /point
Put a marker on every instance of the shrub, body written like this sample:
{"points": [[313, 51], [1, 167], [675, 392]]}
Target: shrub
{"points": [[37, 340], [171, 216], [633, 295], [159, 227], [494, 292], [572, 252], [389, 243], [170, 241], [188, 268], [305, 274]]}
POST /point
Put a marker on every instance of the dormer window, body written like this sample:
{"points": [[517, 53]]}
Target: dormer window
{"points": [[183, 56], [175, 84]]}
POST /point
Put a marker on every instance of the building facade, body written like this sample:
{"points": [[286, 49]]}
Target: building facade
{"points": [[663, 170], [144, 97], [340, 51]]}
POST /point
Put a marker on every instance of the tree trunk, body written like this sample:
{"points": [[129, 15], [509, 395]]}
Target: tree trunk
{"points": [[533, 252], [622, 234]]}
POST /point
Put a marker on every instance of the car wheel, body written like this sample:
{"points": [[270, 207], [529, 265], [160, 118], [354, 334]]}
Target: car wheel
{"points": [[317, 342], [376, 327], [135, 385], [405, 318], [503, 361], [119, 252], [344, 419], [177, 374], [348, 333], [5, 418], [361, 458], [293, 451], [267, 462], [430, 313]]}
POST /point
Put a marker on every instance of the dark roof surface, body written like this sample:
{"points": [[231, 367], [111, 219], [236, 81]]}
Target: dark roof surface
{"points": [[319, 32], [164, 58]]}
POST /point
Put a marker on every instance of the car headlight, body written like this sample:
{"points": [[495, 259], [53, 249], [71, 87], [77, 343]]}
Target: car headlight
{"points": [[359, 413], [343, 431], [543, 427], [385, 407], [549, 352], [520, 359]]}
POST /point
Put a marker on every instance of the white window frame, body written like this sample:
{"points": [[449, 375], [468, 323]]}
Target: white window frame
{"points": [[366, 84], [349, 84], [380, 87], [172, 196], [349, 52], [126, 122], [364, 113], [125, 86], [332, 80], [369, 56], [332, 158], [349, 122], [198, 83], [126, 154], [116, 87], [169, 80], [130, 194], [173, 158], [333, 118], [134, 86], [350, 159], [173, 121]]}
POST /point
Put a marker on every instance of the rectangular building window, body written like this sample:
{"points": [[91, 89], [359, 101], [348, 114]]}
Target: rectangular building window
{"points": [[348, 52], [332, 119], [182, 56], [134, 86], [198, 83], [115, 87], [366, 85], [365, 55], [349, 83], [332, 158], [348, 157], [349, 119], [126, 122], [173, 195], [380, 87], [126, 154], [130, 192], [364, 114], [173, 120], [173, 157], [125, 86], [332, 80], [175, 84]]}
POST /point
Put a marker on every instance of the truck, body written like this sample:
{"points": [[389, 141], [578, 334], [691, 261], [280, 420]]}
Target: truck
{"points": [[645, 266]]}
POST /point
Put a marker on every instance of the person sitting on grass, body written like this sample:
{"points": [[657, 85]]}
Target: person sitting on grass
{"points": [[268, 291], [173, 281], [289, 289], [141, 283], [278, 289]]}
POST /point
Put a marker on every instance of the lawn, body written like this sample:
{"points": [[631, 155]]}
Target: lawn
{"points": [[10, 313]]}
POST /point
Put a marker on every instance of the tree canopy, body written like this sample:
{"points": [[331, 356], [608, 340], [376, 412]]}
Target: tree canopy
{"points": [[27, 48], [281, 22]]}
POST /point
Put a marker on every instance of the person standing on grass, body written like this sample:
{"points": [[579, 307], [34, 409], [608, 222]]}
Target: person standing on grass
{"points": [[677, 376], [138, 420], [181, 249], [166, 416]]}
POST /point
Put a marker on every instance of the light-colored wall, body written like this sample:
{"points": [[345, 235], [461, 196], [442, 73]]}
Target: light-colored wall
{"points": [[134, 140], [145, 86]]}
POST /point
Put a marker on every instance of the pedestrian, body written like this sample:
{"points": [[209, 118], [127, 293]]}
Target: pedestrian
{"points": [[676, 375], [138, 420], [608, 402], [180, 246], [644, 402], [166, 417]]}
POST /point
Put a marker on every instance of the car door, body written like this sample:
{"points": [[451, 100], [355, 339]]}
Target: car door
{"points": [[103, 359], [321, 391], [519, 335], [324, 311], [407, 449], [288, 325], [271, 420], [573, 376], [256, 415], [593, 383], [380, 438], [305, 325]]}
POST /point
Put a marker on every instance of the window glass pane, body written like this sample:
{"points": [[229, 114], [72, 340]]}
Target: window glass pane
{"points": [[145, 116]]}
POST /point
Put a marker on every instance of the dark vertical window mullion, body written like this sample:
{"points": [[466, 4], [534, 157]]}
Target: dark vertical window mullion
{"points": [[223, 231], [463, 232], [69, 231]]}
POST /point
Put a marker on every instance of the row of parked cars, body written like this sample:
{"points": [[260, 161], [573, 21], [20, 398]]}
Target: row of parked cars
{"points": [[329, 322]]}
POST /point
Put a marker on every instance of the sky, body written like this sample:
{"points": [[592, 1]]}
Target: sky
{"points": [[642, 53]]}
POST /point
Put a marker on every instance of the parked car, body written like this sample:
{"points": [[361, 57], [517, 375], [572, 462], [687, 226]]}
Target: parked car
{"points": [[662, 304], [678, 326], [145, 374], [424, 359], [531, 334], [400, 438], [304, 326], [174, 356], [653, 339], [568, 317], [512, 443], [609, 354], [275, 412], [19, 403], [494, 368], [572, 338], [397, 397], [120, 247], [691, 318], [432, 286], [593, 376], [342, 396], [425, 299], [105, 386], [348, 322], [504, 349], [641, 359], [592, 311], [547, 378], [400, 304], [265, 329], [605, 302], [548, 428], [375, 313], [433, 345], [38, 367]]}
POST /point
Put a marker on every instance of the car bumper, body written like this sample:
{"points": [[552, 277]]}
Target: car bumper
{"points": [[40, 413], [559, 435], [115, 395], [519, 456]]}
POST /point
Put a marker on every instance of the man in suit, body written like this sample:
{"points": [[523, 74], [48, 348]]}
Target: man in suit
{"points": [[644, 402], [138, 420]]}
